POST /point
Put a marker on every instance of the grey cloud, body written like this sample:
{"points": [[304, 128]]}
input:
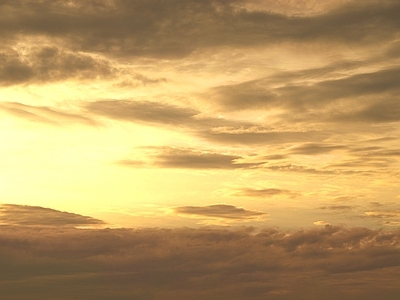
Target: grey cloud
{"points": [[387, 110], [315, 101], [186, 158], [219, 211], [199, 263], [268, 192], [176, 28], [24, 215], [364, 162], [275, 157], [44, 114], [313, 149], [213, 129], [138, 111], [375, 151], [263, 137], [51, 64], [154, 113], [379, 158]]}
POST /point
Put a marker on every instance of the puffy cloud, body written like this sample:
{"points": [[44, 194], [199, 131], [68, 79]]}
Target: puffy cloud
{"points": [[199, 263], [219, 211], [24, 215]]}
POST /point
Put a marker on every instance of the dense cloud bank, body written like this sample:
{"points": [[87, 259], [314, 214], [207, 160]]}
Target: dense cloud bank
{"points": [[329, 263], [176, 28]]}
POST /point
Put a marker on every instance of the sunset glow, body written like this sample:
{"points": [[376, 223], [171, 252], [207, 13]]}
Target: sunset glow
{"points": [[200, 126]]}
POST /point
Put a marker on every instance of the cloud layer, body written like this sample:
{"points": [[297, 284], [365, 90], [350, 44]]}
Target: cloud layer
{"points": [[199, 263], [173, 29]]}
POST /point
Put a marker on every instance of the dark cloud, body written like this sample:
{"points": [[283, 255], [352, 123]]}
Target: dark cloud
{"points": [[219, 211], [269, 192], [44, 114], [49, 64], [386, 110], [24, 215], [371, 97], [186, 158], [336, 262], [176, 28]]}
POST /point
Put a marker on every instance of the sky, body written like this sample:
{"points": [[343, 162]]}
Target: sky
{"points": [[213, 149]]}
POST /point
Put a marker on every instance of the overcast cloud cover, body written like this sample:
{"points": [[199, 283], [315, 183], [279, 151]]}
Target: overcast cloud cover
{"points": [[213, 149], [330, 262]]}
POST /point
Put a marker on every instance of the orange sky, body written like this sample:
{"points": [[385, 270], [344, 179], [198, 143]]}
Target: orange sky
{"points": [[184, 113]]}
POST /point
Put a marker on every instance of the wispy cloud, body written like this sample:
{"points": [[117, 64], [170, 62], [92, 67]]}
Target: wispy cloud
{"points": [[266, 192], [188, 158], [25, 215], [43, 114], [219, 211]]}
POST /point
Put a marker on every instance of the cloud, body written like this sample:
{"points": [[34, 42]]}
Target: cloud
{"points": [[24, 215], [263, 136], [314, 149], [50, 64], [138, 111], [177, 28], [268, 192], [371, 97], [321, 223], [44, 114], [199, 263], [218, 130], [187, 158], [395, 214], [155, 113], [337, 207], [219, 211]]}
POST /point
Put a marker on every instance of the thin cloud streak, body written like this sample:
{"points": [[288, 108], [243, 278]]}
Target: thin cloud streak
{"points": [[218, 211], [188, 158], [43, 114], [25, 215]]}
